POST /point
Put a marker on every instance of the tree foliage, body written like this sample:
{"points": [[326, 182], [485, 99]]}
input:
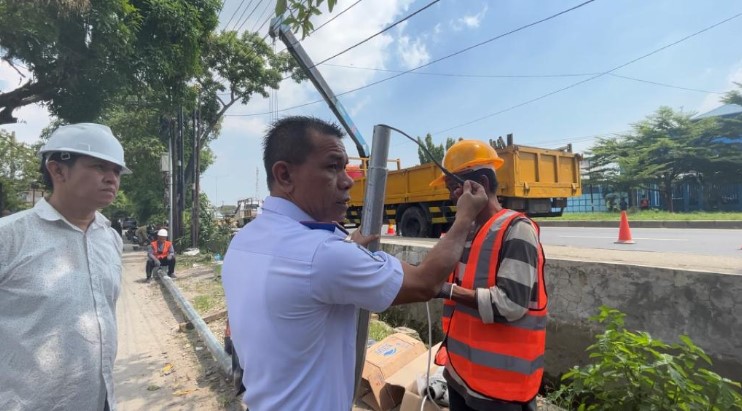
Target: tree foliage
{"points": [[437, 150], [298, 13], [632, 371], [84, 54], [664, 149], [19, 171]]}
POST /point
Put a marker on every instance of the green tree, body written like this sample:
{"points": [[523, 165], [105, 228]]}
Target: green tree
{"points": [[19, 171], [663, 149], [298, 13], [437, 150], [85, 54]]}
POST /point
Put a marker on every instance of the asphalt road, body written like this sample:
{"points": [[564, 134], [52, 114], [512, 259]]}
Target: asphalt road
{"points": [[687, 241]]}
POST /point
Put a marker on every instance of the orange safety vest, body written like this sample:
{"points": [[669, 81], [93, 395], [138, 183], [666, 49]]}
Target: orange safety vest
{"points": [[165, 249], [504, 361]]}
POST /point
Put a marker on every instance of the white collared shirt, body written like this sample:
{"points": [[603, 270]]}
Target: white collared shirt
{"points": [[58, 292], [292, 297]]}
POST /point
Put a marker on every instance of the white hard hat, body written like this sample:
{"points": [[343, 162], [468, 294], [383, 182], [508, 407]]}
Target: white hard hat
{"points": [[162, 233], [94, 140]]}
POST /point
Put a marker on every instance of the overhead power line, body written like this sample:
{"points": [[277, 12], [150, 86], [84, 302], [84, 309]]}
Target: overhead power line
{"points": [[391, 26], [268, 9], [387, 28], [557, 75], [432, 62], [655, 51], [238, 25], [323, 24], [237, 10], [657, 83]]}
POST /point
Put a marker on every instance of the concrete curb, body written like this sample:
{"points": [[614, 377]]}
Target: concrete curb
{"points": [[715, 224]]}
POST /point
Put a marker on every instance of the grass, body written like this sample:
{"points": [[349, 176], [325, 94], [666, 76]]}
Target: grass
{"points": [[204, 303], [378, 330], [651, 215], [187, 261]]}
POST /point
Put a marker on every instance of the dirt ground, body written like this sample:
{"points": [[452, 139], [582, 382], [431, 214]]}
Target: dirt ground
{"points": [[159, 367]]}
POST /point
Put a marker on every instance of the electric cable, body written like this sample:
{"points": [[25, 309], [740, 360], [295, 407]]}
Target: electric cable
{"points": [[557, 75], [226, 26], [425, 150], [323, 24], [238, 25], [655, 51], [262, 16], [387, 28], [430, 361], [429, 63]]}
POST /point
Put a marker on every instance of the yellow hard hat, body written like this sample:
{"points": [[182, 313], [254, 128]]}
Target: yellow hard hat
{"points": [[466, 155]]}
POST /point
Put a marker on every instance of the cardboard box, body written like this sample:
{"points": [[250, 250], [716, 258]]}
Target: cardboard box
{"points": [[409, 376], [383, 360], [412, 399]]}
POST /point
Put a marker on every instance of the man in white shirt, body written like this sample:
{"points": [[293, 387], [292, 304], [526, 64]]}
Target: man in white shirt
{"points": [[60, 274], [293, 282]]}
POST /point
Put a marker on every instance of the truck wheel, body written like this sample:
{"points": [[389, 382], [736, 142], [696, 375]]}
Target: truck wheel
{"points": [[414, 223]]}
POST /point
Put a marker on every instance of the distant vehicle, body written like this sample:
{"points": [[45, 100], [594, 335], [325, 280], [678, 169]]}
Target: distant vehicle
{"points": [[247, 210], [129, 222], [536, 181]]}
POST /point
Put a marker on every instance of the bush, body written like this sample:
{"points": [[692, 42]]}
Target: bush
{"points": [[632, 371]]}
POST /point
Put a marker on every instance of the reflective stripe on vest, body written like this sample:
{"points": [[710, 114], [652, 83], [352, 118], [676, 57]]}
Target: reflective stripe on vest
{"points": [[500, 360], [165, 249]]}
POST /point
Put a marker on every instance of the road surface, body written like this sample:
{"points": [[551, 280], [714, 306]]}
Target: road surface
{"points": [[709, 242]]}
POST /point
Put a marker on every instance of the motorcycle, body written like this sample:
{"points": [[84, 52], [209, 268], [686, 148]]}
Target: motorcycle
{"points": [[131, 235]]}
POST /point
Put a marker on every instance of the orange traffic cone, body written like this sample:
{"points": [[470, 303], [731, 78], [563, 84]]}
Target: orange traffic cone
{"points": [[390, 229], [624, 232]]}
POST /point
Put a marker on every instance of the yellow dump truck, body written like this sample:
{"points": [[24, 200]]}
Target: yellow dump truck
{"points": [[534, 180]]}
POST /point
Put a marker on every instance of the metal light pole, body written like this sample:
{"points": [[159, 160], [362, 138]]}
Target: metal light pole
{"points": [[371, 220]]}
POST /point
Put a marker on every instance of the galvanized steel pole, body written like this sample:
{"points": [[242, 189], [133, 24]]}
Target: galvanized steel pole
{"points": [[371, 221], [217, 351]]}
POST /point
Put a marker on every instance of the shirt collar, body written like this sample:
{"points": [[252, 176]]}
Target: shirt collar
{"points": [[47, 212], [285, 207]]}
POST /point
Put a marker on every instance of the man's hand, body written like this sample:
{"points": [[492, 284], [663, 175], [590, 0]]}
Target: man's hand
{"points": [[361, 239], [169, 257], [472, 199]]}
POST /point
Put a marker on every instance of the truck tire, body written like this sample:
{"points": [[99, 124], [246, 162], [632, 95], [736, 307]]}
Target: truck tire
{"points": [[413, 223]]}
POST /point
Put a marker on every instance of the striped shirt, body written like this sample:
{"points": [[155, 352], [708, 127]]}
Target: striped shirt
{"points": [[508, 300]]}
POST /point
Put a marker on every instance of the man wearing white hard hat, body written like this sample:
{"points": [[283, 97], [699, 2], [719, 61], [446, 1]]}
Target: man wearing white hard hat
{"points": [[60, 276], [160, 253]]}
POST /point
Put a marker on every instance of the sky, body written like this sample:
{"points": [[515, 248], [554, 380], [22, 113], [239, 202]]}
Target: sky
{"points": [[508, 85]]}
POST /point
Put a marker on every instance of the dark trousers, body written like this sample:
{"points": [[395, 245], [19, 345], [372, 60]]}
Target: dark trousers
{"points": [[163, 262], [458, 403]]}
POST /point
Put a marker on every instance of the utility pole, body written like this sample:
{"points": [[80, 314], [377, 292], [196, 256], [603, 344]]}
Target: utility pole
{"points": [[181, 172], [194, 193]]}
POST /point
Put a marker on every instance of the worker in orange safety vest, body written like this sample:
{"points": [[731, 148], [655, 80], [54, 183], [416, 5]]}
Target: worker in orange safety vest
{"points": [[494, 314], [161, 252]]}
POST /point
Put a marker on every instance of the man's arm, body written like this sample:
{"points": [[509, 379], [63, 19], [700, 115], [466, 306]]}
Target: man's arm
{"points": [[422, 282], [151, 253]]}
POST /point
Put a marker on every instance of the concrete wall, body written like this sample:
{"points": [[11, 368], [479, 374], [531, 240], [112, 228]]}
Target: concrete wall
{"points": [[663, 302]]}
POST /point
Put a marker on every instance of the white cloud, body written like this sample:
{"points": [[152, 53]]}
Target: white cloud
{"points": [[413, 53], [712, 101], [469, 21], [32, 118]]}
